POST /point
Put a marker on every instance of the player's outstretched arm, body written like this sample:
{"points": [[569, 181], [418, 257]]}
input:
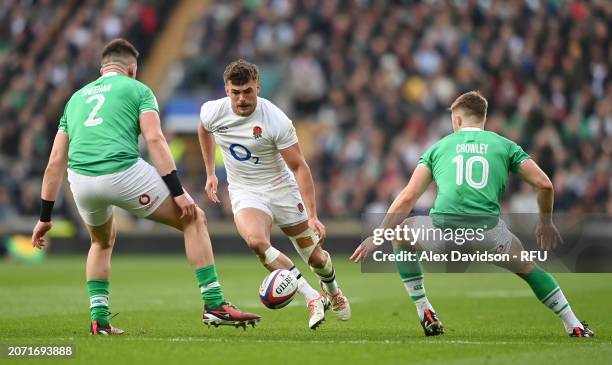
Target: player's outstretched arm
{"points": [[52, 181], [150, 127], [399, 209], [208, 145], [532, 174], [404, 202], [295, 160], [546, 232]]}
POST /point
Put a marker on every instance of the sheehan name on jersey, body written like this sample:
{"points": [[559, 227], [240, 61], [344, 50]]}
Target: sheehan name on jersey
{"points": [[97, 89]]}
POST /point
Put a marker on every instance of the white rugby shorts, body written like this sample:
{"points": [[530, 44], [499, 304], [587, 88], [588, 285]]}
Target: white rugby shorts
{"points": [[139, 190], [283, 203], [495, 240]]}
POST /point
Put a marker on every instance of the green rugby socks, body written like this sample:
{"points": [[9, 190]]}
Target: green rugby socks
{"points": [[547, 290], [209, 286], [411, 274], [98, 301]]}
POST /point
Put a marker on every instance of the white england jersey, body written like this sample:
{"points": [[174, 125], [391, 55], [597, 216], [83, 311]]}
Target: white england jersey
{"points": [[251, 145]]}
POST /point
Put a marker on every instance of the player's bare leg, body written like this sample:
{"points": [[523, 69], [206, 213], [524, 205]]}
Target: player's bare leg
{"points": [[546, 289], [217, 311], [198, 247], [98, 272], [306, 243], [254, 226]]}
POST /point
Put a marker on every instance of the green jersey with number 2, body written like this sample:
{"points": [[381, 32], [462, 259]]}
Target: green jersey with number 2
{"points": [[102, 123], [470, 168]]}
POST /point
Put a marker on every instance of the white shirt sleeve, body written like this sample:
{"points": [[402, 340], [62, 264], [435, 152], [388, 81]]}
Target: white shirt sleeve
{"points": [[285, 135], [207, 114]]}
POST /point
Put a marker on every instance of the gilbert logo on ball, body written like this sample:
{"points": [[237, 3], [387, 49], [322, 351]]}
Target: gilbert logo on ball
{"points": [[278, 289]]}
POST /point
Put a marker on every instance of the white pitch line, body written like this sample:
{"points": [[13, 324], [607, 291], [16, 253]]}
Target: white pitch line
{"points": [[381, 342], [252, 340]]}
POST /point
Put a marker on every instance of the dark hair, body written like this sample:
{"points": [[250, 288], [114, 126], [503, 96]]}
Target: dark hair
{"points": [[240, 72], [120, 51], [472, 104]]}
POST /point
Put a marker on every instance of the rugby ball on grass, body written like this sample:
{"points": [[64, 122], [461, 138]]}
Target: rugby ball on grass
{"points": [[278, 289]]}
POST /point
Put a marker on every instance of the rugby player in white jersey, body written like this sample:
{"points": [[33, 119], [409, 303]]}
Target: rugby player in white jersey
{"points": [[269, 182]]}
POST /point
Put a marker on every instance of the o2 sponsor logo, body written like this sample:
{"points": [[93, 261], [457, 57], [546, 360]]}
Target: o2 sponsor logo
{"points": [[144, 199], [241, 153]]}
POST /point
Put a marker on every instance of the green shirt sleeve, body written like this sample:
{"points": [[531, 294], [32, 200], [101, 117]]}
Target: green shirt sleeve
{"points": [[517, 156], [63, 127], [426, 159], [147, 101], [63, 123]]}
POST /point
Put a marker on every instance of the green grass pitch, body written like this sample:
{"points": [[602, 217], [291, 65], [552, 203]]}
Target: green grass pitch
{"points": [[490, 318]]}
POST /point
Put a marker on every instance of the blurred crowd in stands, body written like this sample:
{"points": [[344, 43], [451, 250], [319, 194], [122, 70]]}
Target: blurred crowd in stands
{"points": [[375, 78], [378, 76]]}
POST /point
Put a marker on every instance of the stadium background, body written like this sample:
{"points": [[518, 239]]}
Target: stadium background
{"points": [[367, 84]]}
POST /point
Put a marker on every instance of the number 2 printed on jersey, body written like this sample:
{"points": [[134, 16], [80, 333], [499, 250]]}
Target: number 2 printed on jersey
{"points": [[91, 119]]}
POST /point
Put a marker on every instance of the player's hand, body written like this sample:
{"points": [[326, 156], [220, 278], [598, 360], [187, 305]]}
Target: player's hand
{"points": [[211, 189], [187, 205], [547, 235], [363, 250], [40, 230], [316, 225]]}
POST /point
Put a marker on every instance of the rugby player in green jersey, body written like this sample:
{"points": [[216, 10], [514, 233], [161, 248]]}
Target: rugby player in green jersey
{"points": [[97, 140], [470, 168]]}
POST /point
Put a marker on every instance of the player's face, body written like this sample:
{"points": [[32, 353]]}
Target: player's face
{"points": [[243, 97]]}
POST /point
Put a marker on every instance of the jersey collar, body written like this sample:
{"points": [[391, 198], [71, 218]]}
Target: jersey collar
{"points": [[470, 129], [112, 73]]}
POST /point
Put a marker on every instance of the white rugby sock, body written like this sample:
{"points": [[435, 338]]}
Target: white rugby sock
{"points": [[303, 287], [327, 275], [557, 302], [416, 291]]}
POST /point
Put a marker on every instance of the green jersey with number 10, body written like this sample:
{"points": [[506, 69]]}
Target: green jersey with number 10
{"points": [[102, 123], [470, 168]]}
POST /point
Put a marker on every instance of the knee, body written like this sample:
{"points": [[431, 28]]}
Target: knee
{"points": [[318, 257], [523, 269], [409, 222], [257, 244], [201, 217], [409, 245], [113, 237], [104, 244], [107, 241], [405, 242], [199, 221]]}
